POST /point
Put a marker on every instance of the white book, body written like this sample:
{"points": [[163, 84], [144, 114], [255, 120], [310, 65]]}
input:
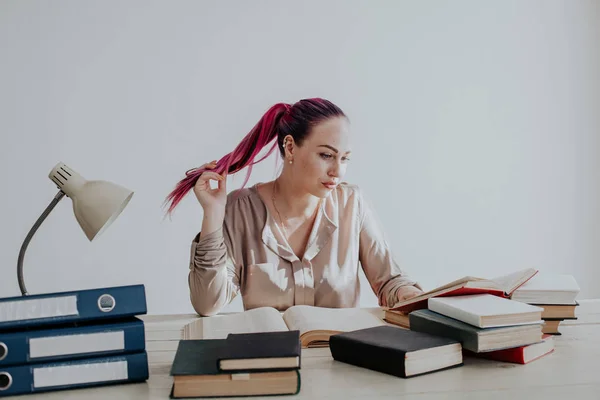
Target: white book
{"points": [[486, 310], [548, 288]]}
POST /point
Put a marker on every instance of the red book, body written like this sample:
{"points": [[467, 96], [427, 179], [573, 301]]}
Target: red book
{"points": [[520, 355], [502, 286]]}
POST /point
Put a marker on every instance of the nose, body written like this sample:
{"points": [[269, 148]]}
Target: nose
{"points": [[335, 171]]}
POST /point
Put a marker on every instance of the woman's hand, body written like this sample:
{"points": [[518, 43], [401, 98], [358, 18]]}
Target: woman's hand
{"points": [[211, 199], [408, 292]]}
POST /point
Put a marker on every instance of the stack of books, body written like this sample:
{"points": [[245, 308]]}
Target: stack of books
{"points": [[502, 286], [242, 364], [71, 340], [509, 318], [487, 326], [481, 325], [555, 293]]}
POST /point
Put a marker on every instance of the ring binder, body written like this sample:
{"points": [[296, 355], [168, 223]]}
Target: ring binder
{"points": [[72, 341], [74, 306]]}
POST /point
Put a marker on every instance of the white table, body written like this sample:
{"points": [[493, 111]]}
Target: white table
{"points": [[572, 372]]}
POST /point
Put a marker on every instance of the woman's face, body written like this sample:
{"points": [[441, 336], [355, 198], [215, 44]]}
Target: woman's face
{"points": [[320, 163]]}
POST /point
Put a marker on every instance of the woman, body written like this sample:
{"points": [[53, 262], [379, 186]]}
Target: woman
{"points": [[298, 239]]}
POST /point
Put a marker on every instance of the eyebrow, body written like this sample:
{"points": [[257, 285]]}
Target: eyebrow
{"points": [[333, 148]]}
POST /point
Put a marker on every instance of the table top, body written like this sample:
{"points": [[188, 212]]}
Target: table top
{"points": [[570, 372]]}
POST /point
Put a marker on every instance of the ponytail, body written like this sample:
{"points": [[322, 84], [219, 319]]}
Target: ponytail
{"points": [[241, 157]]}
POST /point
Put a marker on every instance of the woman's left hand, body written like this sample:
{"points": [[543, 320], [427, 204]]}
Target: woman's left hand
{"points": [[408, 292]]}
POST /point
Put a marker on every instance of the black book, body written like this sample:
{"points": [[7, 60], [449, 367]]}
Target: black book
{"points": [[396, 351], [267, 350], [242, 365]]}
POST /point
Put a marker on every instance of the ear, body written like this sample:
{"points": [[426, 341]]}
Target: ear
{"points": [[289, 146]]}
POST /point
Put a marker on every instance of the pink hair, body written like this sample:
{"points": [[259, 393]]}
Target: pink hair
{"points": [[298, 120]]}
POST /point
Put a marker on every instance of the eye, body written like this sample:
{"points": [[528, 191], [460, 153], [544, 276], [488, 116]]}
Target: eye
{"points": [[346, 158], [326, 156]]}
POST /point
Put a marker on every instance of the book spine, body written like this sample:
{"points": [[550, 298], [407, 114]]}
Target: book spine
{"points": [[94, 371], [83, 305], [74, 342], [366, 356]]}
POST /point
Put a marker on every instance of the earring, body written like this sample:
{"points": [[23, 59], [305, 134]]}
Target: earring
{"points": [[291, 161]]}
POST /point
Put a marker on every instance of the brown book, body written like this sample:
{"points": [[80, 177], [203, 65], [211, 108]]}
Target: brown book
{"points": [[551, 327], [397, 318], [227, 385], [558, 311]]}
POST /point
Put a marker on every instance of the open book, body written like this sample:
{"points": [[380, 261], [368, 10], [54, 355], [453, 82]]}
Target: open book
{"points": [[316, 324], [502, 286]]}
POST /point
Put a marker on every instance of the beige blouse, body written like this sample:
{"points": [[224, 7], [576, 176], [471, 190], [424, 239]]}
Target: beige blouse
{"points": [[249, 255]]}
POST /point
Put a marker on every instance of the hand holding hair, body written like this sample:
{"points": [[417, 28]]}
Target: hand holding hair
{"points": [[211, 199]]}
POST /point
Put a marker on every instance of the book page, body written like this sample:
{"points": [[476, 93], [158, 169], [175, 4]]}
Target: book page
{"points": [[309, 318], [510, 282], [457, 282], [449, 287], [263, 319]]}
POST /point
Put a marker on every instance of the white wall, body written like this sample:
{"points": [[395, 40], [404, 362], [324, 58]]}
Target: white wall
{"points": [[477, 127]]}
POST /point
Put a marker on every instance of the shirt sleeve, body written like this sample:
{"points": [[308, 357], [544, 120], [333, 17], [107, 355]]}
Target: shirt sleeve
{"points": [[381, 269], [214, 279]]}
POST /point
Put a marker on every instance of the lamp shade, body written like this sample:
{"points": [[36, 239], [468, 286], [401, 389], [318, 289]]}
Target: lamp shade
{"points": [[96, 204]]}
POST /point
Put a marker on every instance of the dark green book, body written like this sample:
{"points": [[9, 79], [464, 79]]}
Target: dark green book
{"points": [[242, 365], [396, 351], [471, 337]]}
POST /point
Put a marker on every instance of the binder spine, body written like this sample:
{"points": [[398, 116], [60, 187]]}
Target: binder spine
{"points": [[94, 371], [77, 306], [45, 345]]}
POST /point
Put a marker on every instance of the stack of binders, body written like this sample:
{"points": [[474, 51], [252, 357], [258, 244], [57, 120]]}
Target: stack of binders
{"points": [[72, 340]]}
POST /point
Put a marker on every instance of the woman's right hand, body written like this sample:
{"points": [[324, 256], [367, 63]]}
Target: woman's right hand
{"points": [[211, 199]]}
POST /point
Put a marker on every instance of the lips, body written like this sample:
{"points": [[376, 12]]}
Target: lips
{"points": [[330, 185]]}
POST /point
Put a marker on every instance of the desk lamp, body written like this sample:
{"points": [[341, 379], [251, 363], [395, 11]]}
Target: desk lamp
{"points": [[96, 205]]}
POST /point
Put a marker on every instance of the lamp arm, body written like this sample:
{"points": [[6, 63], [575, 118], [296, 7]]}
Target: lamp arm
{"points": [[35, 227]]}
